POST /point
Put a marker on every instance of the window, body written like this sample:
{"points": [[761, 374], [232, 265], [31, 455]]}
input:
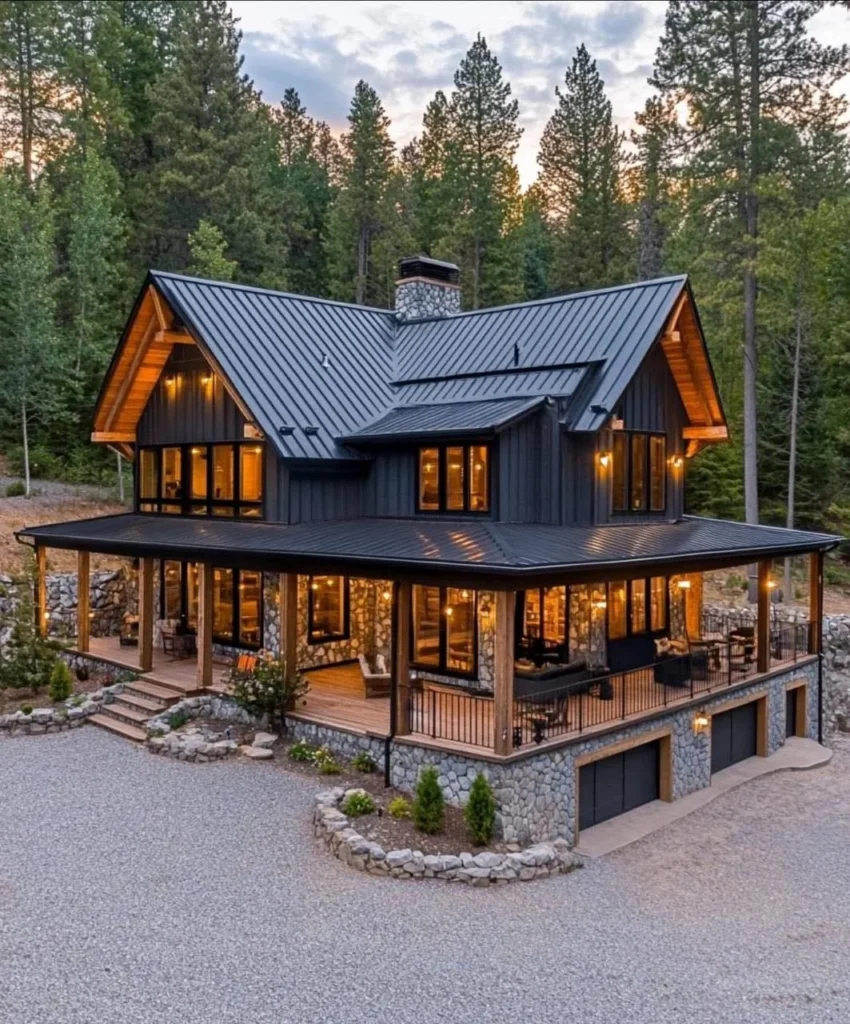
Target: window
{"points": [[328, 609], [617, 620], [637, 613], [444, 629], [639, 472], [454, 478], [202, 480], [545, 614], [628, 611], [237, 602], [658, 603]]}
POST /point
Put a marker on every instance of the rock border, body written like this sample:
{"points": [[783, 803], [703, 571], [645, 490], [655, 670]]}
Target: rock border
{"points": [[189, 746], [480, 870], [68, 715]]}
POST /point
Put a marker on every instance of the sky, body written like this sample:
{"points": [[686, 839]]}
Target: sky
{"points": [[407, 51]]}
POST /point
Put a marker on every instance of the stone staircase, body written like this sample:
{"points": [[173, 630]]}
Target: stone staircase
{"points": [[141, 700]]}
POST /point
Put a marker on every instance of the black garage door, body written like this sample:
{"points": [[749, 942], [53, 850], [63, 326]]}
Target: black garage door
{"points": [[733, 736], [618, 783], [790, 712]]}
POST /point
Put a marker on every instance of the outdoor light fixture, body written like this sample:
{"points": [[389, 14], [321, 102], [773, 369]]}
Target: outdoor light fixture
{"points": [[207, 378], [771, 584], [700, 721], [676, 461], [604, 459], [171, 380], [684, 584]]}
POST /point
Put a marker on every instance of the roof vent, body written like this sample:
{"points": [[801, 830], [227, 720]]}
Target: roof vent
{"points": [[311, 431], [326, 363], [285, 430]]}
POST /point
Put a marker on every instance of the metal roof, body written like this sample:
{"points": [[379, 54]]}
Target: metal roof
{"points": [[440, 419], [510, 384], [294, 361], [434, 546]]}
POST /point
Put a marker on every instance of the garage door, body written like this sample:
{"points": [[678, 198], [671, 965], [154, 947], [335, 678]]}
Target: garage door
{"points": [[618, 783], [790, 713], [733, 736]]}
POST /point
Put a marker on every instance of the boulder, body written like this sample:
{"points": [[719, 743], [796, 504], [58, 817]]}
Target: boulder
{"points": [[264, 739], [257, 753]]}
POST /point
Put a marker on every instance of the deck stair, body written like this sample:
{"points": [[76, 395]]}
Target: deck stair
{"points": [[141, 700]]}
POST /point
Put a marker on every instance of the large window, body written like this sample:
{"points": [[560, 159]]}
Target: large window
{"points": [[202, 480], [444, 629], [237, 602], [638, 606], [544, 614], [454, 478], [639, 472], [328, 609]]}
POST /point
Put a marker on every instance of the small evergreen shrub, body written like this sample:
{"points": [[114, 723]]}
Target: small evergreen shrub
{"points": [[302, 751], [399, 807], [61, 683], [324, 760], [357, 803], [27, 709], [176, 719], [480, 810], [429, 806], [364, 762], [16, 489]]}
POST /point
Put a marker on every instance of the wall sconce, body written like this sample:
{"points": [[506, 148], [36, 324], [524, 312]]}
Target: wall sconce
{"points": [[684, 584], [170, 380], [771, 584], [701, 721], [604, 459], [676, 461], [386, 594], [207, 378]]}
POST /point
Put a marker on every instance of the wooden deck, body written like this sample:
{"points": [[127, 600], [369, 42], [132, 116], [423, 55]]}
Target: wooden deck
{"points": [[178, 673], [337, 697]]}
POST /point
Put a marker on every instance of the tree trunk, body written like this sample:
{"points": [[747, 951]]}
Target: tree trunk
{"points": [[792, 454], [26, 445]]}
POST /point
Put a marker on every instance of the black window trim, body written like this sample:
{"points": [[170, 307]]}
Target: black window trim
{"points": [[628, 434], [442, 668], [442, 474], [185, 501], [234, 641], [520, 611], [648, 605], [327, 638]]}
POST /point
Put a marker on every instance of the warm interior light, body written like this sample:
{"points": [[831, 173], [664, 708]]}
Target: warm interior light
{"points": [[684, 584], [196, 451], [386, 595], [315, 586], [450, 610], [600, 604], [464, 594]]}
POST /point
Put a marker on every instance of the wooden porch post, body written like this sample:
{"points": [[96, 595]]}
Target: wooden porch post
{"points": [[146, 614], [763, 631], [401, 656], [41, 589], [815, 602], [205, 625], [503, 672], [288, 589], [83, 600]]}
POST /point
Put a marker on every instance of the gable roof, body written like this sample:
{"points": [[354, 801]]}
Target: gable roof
{"points": [[318, 377]]}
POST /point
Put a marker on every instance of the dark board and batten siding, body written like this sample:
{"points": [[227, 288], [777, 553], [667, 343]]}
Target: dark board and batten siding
{"points": [[323, 497], [390, 488]]}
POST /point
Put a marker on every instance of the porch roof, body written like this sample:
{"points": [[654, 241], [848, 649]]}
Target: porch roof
{"points": [[435, 548]]}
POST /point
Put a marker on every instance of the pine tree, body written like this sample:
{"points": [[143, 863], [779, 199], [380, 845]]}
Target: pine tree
{"points": [[581, 162], [481, 185], [480, 810], [656, 145], [535, 241], [360, 213], [208, 247]]}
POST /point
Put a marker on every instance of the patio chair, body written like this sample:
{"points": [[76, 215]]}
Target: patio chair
{"points": [[377, 684]]}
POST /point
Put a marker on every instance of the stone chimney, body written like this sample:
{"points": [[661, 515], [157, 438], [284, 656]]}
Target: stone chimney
{"points": [[426, 287]]}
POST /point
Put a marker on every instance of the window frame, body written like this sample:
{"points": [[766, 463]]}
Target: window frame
{"points": [[233, 509], [648, 629], [442, 667], [628, 437], [442, 477], [327, 638], [541, 596], [236, 609]]}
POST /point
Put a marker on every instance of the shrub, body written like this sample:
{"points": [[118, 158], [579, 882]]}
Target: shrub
{"points": [[176, 719], [16, 489], [61, 684], [364, 762], [27, 709], [399, 807], [324, 760], [265, 690], [27, 658], [480, 810], [302, 751], [357, 803], [429, 807]]}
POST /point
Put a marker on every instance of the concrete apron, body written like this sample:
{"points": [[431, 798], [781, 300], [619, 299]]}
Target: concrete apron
{"points": [[797, 754]]}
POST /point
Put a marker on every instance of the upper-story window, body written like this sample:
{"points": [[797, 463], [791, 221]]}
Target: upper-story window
{"points": [[202, 479], [454, 478], [639, 472]]}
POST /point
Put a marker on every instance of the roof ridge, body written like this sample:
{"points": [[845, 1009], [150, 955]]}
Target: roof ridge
{"points": [[237, 286], [567, 297]]}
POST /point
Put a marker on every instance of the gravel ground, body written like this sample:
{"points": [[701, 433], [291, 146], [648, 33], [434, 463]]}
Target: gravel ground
{"points": [[135, 888]]}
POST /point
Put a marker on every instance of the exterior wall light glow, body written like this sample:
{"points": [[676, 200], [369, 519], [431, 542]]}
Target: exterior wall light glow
{"points": [[771, 584], [676, 461], [604, 459], [684, 584], [701, 721], [170, 380]]}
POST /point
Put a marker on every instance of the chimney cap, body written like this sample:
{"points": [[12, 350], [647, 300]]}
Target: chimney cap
{"points": [[424, 266]]}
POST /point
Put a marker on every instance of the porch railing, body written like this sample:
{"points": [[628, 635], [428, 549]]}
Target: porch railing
{"points": [[466, 718]]}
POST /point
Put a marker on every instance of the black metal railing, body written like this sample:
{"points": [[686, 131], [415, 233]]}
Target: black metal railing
{"points": [[603, 698]]}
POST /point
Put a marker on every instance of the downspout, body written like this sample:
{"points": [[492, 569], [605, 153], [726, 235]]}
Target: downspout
{"points": [[388, 740], [820, 697]]}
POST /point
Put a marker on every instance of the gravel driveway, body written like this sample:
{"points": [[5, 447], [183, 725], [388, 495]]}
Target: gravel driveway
{"points": [[135, 888]]}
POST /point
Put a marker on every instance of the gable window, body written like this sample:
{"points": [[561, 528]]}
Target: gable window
{"points": [[444, 634], [637, 606], [328, 617], [454, 478], [202, 480], [639, 472]]}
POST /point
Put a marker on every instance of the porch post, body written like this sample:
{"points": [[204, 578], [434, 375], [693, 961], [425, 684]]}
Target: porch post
{"points": [[146, 613], [763, 642], [401, 657], [205, 625], [816, 602], [83, 600], [288, 590], [41, 589], [503, 672]]}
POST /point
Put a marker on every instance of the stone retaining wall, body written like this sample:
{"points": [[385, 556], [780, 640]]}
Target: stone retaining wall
{"points": [[69, 715], [482, 869]]}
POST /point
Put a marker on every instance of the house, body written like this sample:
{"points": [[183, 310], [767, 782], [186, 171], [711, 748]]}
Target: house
{"points": [[490, 501]]}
